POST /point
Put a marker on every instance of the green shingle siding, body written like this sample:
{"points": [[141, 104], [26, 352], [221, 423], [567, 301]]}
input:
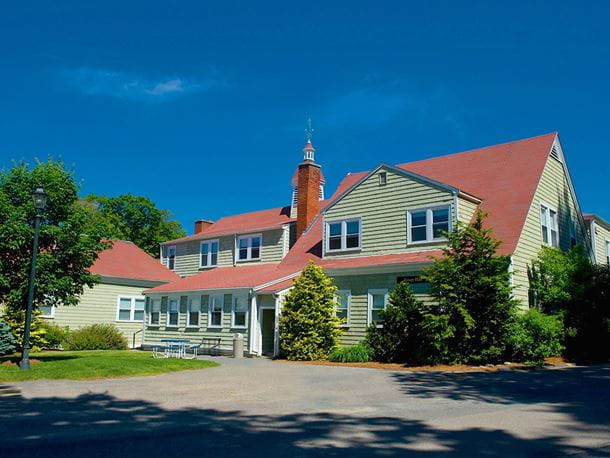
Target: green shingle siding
{"points": [[187, 254], [553, 189], [99, 305], [359, 285], [383, 212]]}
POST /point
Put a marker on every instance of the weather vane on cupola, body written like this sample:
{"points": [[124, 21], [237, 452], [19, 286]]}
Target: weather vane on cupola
{"points": [[309, 150]]}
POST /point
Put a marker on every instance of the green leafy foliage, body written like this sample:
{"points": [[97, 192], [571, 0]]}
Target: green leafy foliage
{"points": [[400, 336], [360, 353], [568, 284], [15, 318], [551, 277], [468, 322], [69, 241], [134, 218], [8, 343], [54, 335], [96, 337], [534, 336], [309, 327]]}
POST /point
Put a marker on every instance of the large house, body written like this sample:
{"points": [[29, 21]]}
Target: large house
{"points": [[125, 271], [378, 228]]}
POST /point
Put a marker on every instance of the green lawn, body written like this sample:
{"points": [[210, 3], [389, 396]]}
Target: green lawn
{"points": [[79, 365]]}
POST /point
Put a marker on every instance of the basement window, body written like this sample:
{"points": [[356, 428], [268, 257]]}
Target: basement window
{"points": [[343, 235]]}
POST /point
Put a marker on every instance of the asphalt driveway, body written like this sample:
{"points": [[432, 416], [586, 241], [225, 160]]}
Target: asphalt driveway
{"points": [[264, 408]]}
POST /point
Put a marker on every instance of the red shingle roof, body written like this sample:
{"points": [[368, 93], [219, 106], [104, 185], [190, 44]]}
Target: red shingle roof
{"points": [[126, 260], [245, 222], [504, 176]]}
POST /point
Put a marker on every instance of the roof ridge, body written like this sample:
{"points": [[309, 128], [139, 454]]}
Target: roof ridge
{"points": [[481, 148]]}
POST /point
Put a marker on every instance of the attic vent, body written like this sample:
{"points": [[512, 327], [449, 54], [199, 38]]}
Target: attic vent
{"points": [[555, 153], [383, 178]]}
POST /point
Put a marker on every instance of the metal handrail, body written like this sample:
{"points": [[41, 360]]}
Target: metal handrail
{"points": [[134, 337]]}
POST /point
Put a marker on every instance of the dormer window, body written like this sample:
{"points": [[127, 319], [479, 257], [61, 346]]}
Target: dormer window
{"points": [[428, 224], [208, 253], [171, 257], [343, 235], [249, 247]]}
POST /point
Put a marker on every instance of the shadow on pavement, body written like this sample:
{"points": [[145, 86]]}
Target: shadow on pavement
{"points": [[583, 393], [99, 425]]}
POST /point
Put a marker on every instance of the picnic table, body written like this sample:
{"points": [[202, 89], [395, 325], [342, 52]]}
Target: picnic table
{"points": [[172, 348], [178, 348]]}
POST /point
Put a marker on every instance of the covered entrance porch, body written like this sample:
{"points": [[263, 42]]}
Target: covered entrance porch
{"points": [[264, 324]]}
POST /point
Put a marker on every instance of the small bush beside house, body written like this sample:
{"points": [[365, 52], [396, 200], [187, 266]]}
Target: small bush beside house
{"points": [[534, 336], [400, 337], [360, 353], [96, 337], [309, 327]]}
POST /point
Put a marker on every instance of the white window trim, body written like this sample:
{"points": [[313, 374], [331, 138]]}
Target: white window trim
{"points": [[209, 242], [150, 312], [249, 237], [167, 250], [169, 299], [132, 307], [343, 222], [52, 315], [549, 208], [607, 253], [348, 293], [429, 224], [211, 301], [370, 294], [188, 311], [233, 325]]}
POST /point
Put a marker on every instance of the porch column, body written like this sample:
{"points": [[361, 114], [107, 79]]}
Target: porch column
{"points": [[253, 333], [276, 333]]}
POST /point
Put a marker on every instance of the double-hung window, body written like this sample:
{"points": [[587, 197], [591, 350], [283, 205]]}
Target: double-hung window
{"points": [[192, 313], [208, 253], [608, 252], [172, 312], [130, 308], [550, 225], [47, 308], [378, 300], [239, 317], [343, 299], [249, 247], [343, 235], [215, 312], [170, 257], [428, 224], [155, 312]]}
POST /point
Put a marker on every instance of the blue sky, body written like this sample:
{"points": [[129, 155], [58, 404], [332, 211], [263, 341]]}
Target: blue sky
{"points": [[202, 105]]}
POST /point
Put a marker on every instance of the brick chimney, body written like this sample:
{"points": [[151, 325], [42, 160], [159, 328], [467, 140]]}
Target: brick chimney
{"points": [[202, 224], [309, 179]]}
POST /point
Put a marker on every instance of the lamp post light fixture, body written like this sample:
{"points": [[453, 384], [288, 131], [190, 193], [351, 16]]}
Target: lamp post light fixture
{"points": [[40, 202]]}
